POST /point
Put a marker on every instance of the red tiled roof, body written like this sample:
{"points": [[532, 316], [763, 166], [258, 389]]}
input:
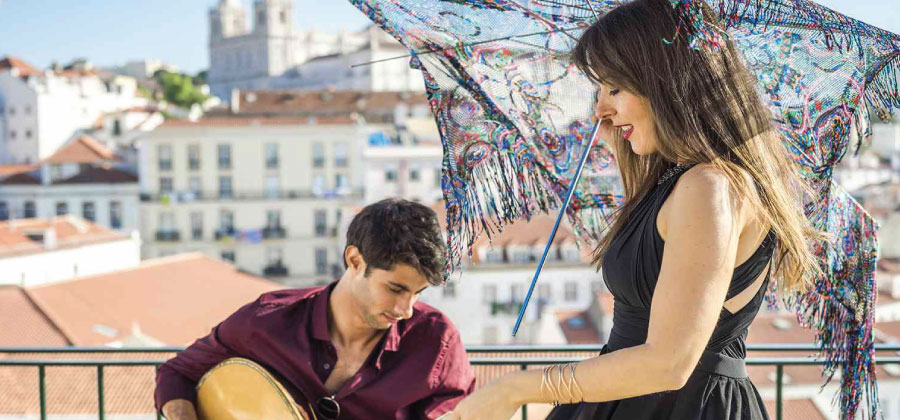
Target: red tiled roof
{"points": [[324, 102], [803, 409], [24, 324], [257, 121], [577, 327], [83, 149], [174, 300], [23, 68], [9, 170], [22, 178], [71, 232], [99, 175]]}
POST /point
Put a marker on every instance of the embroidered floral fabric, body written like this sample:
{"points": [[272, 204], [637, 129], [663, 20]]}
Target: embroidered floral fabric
{"points": [[513, 112]]}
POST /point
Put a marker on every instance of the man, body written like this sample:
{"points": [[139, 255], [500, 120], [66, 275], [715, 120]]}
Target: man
{"points": [[363, 346]]}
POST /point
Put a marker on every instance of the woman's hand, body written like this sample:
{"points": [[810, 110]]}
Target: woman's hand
{"points": [[492, 402]]}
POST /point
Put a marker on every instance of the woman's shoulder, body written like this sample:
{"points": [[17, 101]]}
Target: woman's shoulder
{"points": [[704, 180]]}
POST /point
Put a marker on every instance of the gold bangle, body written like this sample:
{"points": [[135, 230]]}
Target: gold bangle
{"points": [[574, 381]]}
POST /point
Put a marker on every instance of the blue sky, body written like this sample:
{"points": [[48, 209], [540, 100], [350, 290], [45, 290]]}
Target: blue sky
{"points": [[110, 32]]}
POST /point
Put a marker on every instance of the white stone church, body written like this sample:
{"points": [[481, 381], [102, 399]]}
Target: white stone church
{"points": [[274, 54]]}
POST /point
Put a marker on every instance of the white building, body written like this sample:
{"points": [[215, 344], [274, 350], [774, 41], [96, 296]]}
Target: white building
{"points": [[39, 251], [40, 111], [264, 184], [142, 69], [409, 164], [487, 298], [274, 54], [79, 179]]}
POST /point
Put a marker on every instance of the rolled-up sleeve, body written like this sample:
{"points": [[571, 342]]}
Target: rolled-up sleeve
{"points": [[454, 379], [178, 376]]}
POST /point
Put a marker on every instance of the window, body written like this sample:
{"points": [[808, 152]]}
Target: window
{"points": [[228, 255], [271, 156], [340, 181], [12, 134], [318, 185], [27, 134], [413, 174], [449, 290], [272, 187], [224, 156], [115, 214], [521, 255], [261, 19], [4, 211], [318, 155], [273, 219], [62, 208], [321, 261], [320, 222], [194, 157], [390, 175], [226, 220], [225, 190], [571, 291], [545, 292], [164, 154], [275, 256], [30, 210], [165, 185], [489, 293], [166, 221], [117, 128], [283, 17], [571, 253], [28, 110], [340, 155], [88, 211], [11, 110], [196, 225], [195, 185], [517, 291]]}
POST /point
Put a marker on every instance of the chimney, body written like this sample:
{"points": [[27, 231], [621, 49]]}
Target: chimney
{"points": [[50, 238], [235, 101]]}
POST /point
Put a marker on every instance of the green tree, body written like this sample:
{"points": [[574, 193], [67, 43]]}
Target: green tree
{"points": [[179, 89]]}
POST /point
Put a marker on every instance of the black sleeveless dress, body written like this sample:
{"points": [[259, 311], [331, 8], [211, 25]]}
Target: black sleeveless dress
{"points": [[719, 388]]}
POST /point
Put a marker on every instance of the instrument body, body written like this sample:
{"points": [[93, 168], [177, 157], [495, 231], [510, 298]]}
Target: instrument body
{"points": [[241, 389]]}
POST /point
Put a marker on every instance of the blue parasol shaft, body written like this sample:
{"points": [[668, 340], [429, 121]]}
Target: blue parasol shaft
{"points": [[562, 210]]}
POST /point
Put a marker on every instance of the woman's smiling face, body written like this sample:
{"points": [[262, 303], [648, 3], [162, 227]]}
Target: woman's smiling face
{"points": [[630, 113]]}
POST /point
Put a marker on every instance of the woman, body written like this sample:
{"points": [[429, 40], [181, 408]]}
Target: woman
{"points": [[711, 200]]}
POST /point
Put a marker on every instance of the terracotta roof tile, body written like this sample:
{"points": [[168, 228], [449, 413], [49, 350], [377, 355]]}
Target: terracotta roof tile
{"points": [[71, 232], [174, 300], [802, 409], [99, 175], [21, 66], [24, 324], [83, 149], [577, 327], [22, 178], [8, 170]]}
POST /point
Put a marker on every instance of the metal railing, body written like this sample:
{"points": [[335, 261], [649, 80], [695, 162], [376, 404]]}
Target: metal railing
{"points": [[522, 363]]}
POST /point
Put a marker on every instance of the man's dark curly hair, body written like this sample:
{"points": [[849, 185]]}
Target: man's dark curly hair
{"points": [[394, 231]]}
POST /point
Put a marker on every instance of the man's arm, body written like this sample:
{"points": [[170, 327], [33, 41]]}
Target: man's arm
{"points": [[177, 377], [453, 377]]}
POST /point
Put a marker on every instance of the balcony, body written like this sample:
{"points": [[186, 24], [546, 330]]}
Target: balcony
{"points": [[225, 233], [259, 195], [127, 373], [275, 270], [168, 236], [274, 232]]}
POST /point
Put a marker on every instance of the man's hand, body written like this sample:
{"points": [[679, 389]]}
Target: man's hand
{"points": [[179, 410]]}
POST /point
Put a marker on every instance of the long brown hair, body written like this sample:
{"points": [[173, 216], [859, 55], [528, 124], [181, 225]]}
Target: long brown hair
{"points": [[705, 110]]}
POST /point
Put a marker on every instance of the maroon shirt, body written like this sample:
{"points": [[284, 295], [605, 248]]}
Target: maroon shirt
{"points": [[419, 369]]}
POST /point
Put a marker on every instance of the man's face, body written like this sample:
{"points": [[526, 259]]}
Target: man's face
{"points": [[387, 296]]}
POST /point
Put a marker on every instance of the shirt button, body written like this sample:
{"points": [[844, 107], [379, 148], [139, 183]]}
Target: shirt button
{"points": [[327, 366]]}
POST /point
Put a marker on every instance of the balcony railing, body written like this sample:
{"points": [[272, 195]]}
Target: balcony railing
{"points": [[275, 271], [225, 233], [479, 356], [168, 235], [189, 196], [274, 232]]}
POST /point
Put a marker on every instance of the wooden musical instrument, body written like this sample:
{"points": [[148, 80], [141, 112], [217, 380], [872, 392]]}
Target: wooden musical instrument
{"points": [[241, 389]]}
